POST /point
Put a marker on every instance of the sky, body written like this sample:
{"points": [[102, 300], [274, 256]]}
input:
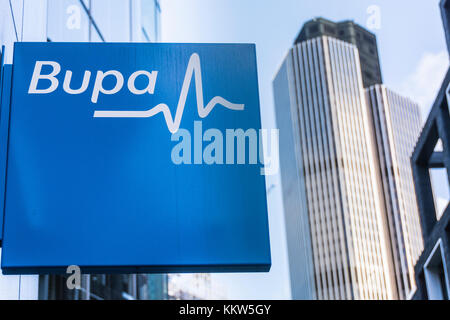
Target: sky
{"points": [[413, 58]]}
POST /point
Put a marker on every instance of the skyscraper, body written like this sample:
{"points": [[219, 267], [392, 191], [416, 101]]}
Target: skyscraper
{"points": [[337, 237], [396, 125], [80, 21], [351, 218]]}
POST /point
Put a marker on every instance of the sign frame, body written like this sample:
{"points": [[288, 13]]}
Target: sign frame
{"points": [[11, 257]]}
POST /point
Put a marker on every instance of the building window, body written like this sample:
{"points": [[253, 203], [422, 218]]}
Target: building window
{"points": [[436, 277], [330, 29], [150, 11], [314, 29], [441, 190], [369, 39], [110, 20], [67, 21], [72, 20], [439, 185], [368, 74]]}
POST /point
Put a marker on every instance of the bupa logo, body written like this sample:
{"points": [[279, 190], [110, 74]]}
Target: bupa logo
{"points": [[213, 146], [193, 72]]}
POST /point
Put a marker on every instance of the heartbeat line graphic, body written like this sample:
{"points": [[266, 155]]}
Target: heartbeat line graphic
{"points": [[174, 124]]}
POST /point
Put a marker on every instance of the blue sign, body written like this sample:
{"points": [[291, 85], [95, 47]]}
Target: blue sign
{"points": [[134, 158], [5, 91]]}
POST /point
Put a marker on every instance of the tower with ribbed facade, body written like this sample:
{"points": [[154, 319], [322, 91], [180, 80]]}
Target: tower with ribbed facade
{"points": [[396, 125], [334, 156], [345, 141]]}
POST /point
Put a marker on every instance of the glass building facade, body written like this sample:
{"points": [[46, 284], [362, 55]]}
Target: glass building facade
{"points": [[103, 20], [80, 21], [198, 286]]}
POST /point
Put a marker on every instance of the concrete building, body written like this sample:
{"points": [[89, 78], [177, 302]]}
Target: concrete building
{"points": [[431, 167], [350, 32], [351, 218], [80, 21], [338, 242], [396, 123]]}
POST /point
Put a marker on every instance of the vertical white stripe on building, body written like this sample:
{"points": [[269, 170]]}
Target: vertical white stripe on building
{"points": [[396, 125]]}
